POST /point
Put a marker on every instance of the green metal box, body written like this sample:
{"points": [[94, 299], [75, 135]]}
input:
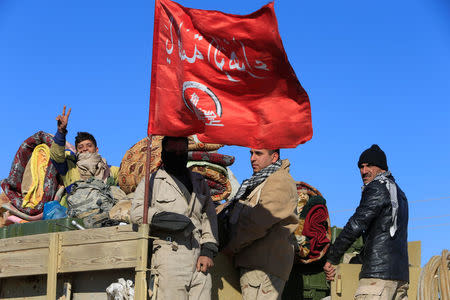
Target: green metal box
{"points": [[37, 227]]}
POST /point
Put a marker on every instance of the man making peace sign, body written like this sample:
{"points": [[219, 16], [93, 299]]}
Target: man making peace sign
{"points": [[83, 164]]}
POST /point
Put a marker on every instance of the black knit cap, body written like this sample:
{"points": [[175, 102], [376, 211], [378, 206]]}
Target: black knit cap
{"points": [[373, 156]]}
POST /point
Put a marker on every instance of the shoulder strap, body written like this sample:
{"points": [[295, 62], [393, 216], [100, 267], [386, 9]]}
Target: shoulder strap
{"points": [[151, 185]]}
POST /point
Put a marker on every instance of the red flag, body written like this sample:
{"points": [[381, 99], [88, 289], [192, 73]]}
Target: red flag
{"points": [[225, 78]]}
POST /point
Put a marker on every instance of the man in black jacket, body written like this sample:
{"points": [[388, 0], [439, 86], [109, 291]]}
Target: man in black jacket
{"points": [[382, 219]]}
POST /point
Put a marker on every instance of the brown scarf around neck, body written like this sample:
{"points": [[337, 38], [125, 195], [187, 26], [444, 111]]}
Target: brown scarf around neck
{"points": [[92, 165]]}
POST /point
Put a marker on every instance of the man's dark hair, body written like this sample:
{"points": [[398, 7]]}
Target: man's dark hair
{"points": [[82, 136], [277, 151], [167, 138]]}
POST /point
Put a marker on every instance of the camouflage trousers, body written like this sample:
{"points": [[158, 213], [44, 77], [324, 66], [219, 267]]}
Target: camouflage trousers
{"points": [[379, 289], [256, 284]]}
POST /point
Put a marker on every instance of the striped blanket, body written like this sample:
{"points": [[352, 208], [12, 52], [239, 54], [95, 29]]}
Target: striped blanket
{"points": [[211, 157]]}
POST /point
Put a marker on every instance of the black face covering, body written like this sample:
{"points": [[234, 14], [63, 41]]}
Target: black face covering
{"points": [[174, 163]]}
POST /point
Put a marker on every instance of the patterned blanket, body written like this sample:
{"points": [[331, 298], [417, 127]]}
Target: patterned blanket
{"points": [[216, 188], [208, 165], [217, 178], [313, 234], [132, 167], [12, 186]]}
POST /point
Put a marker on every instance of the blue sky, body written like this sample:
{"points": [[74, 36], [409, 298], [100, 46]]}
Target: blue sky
{"points": [[375, 71]]}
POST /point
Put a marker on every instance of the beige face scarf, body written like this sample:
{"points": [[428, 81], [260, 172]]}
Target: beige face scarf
{"points": [[92, 165]]}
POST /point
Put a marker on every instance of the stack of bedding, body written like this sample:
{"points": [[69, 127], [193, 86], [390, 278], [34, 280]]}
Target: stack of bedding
{"points": [[213, 166]]}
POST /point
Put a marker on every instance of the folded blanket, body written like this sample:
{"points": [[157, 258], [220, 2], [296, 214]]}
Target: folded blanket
{"points": [[215, 158], [315, 230], [223, 195], [211, 174], [215, 186], [38, 166], [215, 192], [208, 165], [132, 167], [12, 186], [217, 177], [313, 234]]}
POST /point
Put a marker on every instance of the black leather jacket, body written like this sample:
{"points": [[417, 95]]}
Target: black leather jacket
{"points": [[383, 256]]}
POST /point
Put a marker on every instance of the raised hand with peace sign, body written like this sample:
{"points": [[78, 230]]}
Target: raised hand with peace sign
{"points": [[63, 120]]}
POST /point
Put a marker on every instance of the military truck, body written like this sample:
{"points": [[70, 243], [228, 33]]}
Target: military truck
{"points": [[81, 264]]}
